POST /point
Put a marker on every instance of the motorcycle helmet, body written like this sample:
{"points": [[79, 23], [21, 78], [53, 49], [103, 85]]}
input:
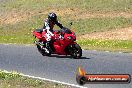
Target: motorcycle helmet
{"points": [[52, 16]]}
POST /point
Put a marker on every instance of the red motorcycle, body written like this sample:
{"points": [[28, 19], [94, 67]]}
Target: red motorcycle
{"points": [[63, 43]]}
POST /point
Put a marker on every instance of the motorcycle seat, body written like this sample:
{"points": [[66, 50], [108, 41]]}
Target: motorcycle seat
{"points": [[39, 30]]}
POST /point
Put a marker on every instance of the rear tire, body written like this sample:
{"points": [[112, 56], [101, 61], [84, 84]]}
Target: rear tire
{"points": [[42, 51], [39, 48]]}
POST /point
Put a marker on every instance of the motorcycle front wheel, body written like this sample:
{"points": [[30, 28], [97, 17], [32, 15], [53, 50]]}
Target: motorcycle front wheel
{"points": [[76, 51]]}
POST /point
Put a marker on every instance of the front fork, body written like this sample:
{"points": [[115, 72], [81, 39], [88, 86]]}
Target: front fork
{"points": [[70, 47]]}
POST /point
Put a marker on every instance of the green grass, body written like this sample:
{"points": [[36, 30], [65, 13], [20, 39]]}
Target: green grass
{"points": [[20, 32], [15, 80], [91, 5], [112, 45], [100, 24]]}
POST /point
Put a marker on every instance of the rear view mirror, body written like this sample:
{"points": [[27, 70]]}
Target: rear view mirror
{"points": [[71, 23]]}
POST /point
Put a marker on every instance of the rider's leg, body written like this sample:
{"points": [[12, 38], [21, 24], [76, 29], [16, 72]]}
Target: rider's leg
{"points": [[48, 43]]}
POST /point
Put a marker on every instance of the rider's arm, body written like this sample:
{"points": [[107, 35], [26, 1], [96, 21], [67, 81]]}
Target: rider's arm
{"points": [[46, 25], [59, 24]]}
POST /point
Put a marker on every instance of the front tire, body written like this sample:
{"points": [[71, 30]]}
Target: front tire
{"points": [[76, 51]]}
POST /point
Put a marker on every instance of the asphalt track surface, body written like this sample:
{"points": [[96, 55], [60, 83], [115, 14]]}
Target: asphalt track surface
{"points": [[27, 60]]}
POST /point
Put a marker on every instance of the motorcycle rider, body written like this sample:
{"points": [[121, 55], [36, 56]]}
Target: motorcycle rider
{"points": [[48, 27]]}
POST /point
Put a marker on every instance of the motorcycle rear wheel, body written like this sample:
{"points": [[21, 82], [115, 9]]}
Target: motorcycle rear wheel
{"points": [[43, 51]]}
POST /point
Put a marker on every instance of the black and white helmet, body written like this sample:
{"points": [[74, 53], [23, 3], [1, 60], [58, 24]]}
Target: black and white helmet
{"points": [[52, 16]]}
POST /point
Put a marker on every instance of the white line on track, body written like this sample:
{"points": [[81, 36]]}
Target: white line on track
{"points": [[69, 84], [120, 52], [6, 44], [45, 79], [107, 51]]}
